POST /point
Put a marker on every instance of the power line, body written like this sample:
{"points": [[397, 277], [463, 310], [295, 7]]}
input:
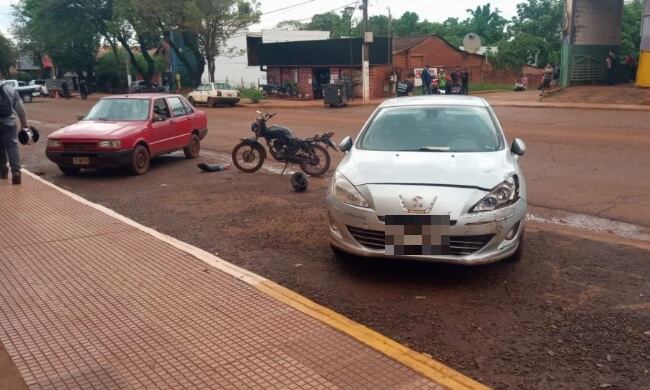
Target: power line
{"points": [[287, 7]]}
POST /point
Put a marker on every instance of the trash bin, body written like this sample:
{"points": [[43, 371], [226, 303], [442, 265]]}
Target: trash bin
{"points": [[334, 95]]}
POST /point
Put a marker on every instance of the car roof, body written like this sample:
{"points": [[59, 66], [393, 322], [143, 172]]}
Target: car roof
{"points": [[436, 100], [152, 95]]}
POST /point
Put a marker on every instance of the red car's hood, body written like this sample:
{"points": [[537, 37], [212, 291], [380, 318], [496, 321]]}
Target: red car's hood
{"points": [[98, 129]]}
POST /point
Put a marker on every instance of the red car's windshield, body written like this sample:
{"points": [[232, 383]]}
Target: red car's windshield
{"points": [[119, 110]]}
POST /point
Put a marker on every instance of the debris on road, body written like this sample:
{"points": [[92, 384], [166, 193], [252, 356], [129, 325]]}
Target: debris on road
{"points": [[213, 167]]}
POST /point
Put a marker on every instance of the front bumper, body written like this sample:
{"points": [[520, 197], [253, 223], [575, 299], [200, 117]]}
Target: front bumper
{"points": [[97, 159], [492, 227]]}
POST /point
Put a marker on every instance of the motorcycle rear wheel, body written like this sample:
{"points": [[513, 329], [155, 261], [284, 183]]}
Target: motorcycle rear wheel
{"points": [[248, 158], [322, 165]]}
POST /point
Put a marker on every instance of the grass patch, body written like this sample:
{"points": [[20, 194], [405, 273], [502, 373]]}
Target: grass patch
{"points": [[478, 87]]}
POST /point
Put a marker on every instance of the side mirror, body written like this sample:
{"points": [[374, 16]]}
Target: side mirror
{"points": [[346, 144], [80, 117], [518, 147]]}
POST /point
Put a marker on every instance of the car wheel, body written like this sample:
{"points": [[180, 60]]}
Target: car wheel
{"points": [[139, 160], [194, 148], [69, 171], [191, 99], [27, 98], [519, 253], [211, 103], [233, 104]]}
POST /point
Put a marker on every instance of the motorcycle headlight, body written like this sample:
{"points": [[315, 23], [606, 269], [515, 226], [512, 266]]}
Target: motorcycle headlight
{"points": [[346, 192], [53, 144], [110, 144], [503, 195]]}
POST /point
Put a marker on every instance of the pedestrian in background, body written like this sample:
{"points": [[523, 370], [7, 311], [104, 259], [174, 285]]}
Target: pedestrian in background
{"points": [[83, 89], [464, 78], [556, 75], [631, 63], [442, 80], [11, 106], [609, 65], [455, 75], [547, 78], [426, 80]]}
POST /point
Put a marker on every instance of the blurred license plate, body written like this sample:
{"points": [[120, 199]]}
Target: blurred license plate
{"points": [[417, 235], [81, 160]]}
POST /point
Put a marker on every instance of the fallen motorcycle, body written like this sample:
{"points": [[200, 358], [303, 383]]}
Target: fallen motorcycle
{"points": [[310, 154]]}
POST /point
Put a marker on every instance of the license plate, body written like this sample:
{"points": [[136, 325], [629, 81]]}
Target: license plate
{"points": [[81, 160], [417, 235]]}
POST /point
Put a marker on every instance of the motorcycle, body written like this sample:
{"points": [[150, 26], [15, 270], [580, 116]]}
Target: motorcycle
{"points": [[310, 153]]}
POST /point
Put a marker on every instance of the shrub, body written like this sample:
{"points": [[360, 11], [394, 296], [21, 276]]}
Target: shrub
{"points": [[251, 92]]}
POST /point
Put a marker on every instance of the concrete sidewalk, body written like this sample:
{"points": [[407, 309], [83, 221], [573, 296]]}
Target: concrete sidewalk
{"points": [[92, 300], [492, 97]]}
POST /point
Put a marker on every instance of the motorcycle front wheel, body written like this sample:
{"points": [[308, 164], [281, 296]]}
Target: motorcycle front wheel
{"points": [[248, 158], [321, 164]]}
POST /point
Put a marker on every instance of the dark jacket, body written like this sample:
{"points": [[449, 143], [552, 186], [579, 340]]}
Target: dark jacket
{"points": [[426, 76]]}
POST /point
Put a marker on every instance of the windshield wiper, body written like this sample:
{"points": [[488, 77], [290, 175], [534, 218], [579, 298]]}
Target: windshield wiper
{"points": [[435, 149]]}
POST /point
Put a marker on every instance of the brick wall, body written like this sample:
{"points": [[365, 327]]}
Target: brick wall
{"points": [[435, 52], [273, 75], [379, 83], [305, 87]]}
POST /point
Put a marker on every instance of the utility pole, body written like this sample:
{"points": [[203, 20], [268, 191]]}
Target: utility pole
{"points": [[365, 58]]}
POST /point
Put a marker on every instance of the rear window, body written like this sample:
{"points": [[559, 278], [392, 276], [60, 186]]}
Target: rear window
{"points": [[223, 86], [432, 128]]}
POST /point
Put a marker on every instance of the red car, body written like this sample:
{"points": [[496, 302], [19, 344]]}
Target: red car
{"points": [[127, 131]]}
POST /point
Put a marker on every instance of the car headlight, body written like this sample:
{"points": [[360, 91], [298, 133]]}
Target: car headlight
{"points": [[53, 144], [110, 144], [346, 192], [502, 195]]}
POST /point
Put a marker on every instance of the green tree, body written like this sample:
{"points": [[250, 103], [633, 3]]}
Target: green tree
{"points": [[218, 20], [64, 29], [631, 36], [7, 55], [534, 36], [487, 23]]}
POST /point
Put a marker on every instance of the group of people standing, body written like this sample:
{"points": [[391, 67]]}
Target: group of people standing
{"points": [[611, 65], [454, 82]]}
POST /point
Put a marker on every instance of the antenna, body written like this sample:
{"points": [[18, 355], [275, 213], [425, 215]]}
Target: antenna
{"points": [[472, 43]]}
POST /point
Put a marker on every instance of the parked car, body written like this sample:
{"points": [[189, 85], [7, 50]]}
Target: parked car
{"points": [[26, 92], [138, 86], [127, 131], [430, 178], [43, 85], [213, 94]]}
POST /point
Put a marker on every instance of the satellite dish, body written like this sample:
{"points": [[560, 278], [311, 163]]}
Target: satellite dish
{"points": [[472, 43]]}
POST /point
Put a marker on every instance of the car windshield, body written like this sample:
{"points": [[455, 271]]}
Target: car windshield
{"points": [[432, 129], [119, 110]]}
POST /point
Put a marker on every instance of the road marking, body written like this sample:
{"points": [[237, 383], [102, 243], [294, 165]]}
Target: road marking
{"points": [[420, 363]]}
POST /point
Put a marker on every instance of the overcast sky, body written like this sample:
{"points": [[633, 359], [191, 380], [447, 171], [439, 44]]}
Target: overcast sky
{"points": [[433, 10]]}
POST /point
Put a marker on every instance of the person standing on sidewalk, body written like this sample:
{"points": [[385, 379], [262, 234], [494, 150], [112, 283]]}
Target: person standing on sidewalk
{"points": [[464, 78], [546, 80], [426, 80], [11, 105]]}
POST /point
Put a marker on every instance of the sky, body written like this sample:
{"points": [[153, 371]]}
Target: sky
{"points": [[433, 10]]}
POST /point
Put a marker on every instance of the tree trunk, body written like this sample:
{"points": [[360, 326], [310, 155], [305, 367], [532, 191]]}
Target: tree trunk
{"points": [[151, 64], [134, 62]]}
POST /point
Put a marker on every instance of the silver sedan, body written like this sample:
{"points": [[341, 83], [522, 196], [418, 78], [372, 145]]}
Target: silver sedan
{"points": [[430, 178]]}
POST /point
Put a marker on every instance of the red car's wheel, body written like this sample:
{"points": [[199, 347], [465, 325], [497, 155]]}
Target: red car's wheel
{"points": [[194, 148], [139, 160]]}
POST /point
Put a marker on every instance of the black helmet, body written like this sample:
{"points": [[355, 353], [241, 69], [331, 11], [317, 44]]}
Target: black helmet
{"points": [[28, 136], [299, 182]]}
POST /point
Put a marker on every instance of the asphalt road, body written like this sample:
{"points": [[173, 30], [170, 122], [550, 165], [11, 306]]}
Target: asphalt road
{"points": [[574, 313]]}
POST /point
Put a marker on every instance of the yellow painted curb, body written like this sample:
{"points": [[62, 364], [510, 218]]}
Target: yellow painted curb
{"points": [[424, 365]]}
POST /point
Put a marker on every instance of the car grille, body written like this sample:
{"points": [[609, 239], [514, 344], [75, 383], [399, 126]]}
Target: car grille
{"points": [[382, 219], [458, 245], [80, 145]]}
